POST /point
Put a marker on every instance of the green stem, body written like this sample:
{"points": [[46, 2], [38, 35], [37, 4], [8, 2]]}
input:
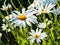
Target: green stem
{"points": [[1, 15], [10, 9], [15, 35], [51, 31], [43, 42], [58, 3], [49, 42], [1, 43], [29, 2], [50, 16], [39, 16], [55, 18], [7, 12], [44, 18], [31, 27], [13, 5], [20, 4]]}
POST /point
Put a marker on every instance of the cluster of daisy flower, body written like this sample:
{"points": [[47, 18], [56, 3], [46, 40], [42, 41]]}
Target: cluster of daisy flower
{"points": [[28, 17]]}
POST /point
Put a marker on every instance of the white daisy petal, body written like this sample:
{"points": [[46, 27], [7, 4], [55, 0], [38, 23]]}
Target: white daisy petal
{"points": [[40, 30], [24, 24], [13, 15], [42, 25], [20, 26], [23, 10], [32, 31], [32, 40], [37, 30], [43, 35], [18, 13], [30, 37], [28, 23], [38, 40]]}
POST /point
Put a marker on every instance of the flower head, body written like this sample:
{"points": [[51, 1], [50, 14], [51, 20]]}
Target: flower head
{"points": [[5, 7], [35, 3], [20, 19], [38, 36], [7, 17], [44, 8], [56, 11], [5, 27]]}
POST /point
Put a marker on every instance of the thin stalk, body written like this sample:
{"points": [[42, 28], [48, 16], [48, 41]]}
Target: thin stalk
{"points": [[39, 18], [29, 2], [7, 12], [44, 18], [58, 3], [43, 42], [20, 4], [14, 34], [13, 5], [10, 9], [52, 35], [31, 27], [1, 43], [50, 15]]}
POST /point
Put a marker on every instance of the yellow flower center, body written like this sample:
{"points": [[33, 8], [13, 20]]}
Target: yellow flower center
{"points": [[43, 11], [36, 36], [22, 17]]}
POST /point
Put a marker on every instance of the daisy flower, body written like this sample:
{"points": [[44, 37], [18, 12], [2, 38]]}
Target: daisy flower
{"points": [[56, 11], [35, 3], [21, 19], [6, 18], [42, 25], [38, 36], [5, 7], [5, 27], [44, 8]]}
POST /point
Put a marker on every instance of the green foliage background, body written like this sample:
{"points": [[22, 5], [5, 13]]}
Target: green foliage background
{"points": [[17, 37]]}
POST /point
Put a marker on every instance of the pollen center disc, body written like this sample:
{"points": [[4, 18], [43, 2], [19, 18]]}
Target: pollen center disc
{"points": [[22, 17]]}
